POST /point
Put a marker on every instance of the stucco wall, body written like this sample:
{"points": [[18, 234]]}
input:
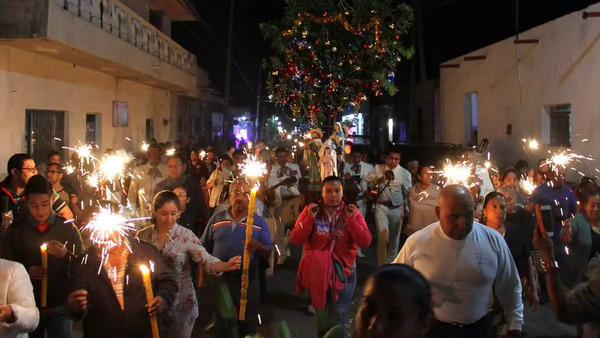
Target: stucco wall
{"points": [[31, 81], [516, 82]]}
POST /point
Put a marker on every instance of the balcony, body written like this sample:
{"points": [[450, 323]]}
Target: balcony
{"points": [[102, 35]]}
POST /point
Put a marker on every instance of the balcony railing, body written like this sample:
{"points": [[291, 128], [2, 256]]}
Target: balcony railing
{"points": [[120, 21]]}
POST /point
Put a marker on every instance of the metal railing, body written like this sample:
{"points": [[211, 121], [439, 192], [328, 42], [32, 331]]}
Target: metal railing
{"points": [[120, 21]]}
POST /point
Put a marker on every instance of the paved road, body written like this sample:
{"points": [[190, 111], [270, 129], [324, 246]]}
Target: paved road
{"points": [[284, 305]]}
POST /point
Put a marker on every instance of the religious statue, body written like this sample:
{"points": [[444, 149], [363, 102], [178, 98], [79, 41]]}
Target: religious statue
{"points": [[311, 154]]}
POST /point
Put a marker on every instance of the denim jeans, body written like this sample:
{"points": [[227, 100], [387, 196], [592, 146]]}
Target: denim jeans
{"points": [[336, 312], [55, 323]]}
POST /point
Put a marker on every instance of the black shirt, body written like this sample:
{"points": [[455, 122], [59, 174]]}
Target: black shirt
{"points": [[517, 245]]}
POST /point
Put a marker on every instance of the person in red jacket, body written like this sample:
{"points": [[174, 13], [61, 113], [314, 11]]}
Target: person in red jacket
{"points": [[331, 233]]}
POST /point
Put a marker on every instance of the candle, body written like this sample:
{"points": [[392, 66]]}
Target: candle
{"points": [[245, 272], [149, 297], [45, 278]]}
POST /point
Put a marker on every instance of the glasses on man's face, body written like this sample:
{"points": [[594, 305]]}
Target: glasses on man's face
{"points": [[238, 193], [31, 170]]}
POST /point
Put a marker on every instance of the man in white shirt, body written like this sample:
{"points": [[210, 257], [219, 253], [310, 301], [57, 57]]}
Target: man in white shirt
{"points": [[18, 313], [392, 183], [287, 198], [145, 178], [465, 264], [356, 170]]}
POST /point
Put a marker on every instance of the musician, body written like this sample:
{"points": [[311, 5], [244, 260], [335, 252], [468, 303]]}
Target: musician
{"points": [[287, 197], [356, 169], [391, 183]]}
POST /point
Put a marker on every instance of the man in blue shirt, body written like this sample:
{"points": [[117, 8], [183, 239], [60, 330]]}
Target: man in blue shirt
{"points": [[224, 237]]}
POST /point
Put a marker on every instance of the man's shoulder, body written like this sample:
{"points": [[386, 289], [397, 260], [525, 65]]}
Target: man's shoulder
{"points": [[367, 165], [424, 234], [217, 217]]}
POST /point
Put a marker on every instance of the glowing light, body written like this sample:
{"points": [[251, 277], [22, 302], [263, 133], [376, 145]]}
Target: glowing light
{"points": [[108, 229], [170, 152], [113, 166], [93, 180], [457, 173], [527, 185], [253, 168], [145, 146], [202, 154], [487, 164], [532, 144], [308, 136], [69, 169]]}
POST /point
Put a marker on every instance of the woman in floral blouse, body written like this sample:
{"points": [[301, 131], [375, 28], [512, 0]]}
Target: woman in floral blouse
{"points": [[179, 246]]}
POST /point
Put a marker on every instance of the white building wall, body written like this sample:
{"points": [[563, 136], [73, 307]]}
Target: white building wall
{"points": [[31, 81], [516, 82]]}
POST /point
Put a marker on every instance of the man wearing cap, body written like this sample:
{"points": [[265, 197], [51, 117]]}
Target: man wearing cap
{"points": [[283, 178]]}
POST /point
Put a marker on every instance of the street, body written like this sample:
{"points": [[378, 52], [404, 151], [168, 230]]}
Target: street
{"points": [[285, 305]]}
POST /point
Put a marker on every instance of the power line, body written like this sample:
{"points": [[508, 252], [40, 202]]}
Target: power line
{"points": [[214, 36]]}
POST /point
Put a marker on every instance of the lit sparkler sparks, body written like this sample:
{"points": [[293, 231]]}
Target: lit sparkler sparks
{"points": [[564, 158], [69, 169], [114, 166], [108, 229], [202, 154], [145, 146], [93, 180], [253, 168], [170, 151], [457, 173], [527, 185], [533, 144]]}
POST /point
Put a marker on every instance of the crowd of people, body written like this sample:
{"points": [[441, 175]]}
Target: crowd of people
{"points": [[455, 260]]}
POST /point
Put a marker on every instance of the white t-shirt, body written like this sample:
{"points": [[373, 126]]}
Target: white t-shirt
{"points": [[463, 274]]}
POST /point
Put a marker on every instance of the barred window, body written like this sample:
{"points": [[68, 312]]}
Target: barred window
{"points": [[560, 125]]}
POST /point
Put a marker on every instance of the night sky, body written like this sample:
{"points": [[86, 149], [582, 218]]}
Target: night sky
{"points": [[451, 28]]}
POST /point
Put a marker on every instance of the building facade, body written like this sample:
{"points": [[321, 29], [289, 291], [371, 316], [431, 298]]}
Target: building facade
{"points": [[539, 85], [92, 71]]}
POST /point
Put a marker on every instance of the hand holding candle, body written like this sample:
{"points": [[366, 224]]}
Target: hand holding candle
{"points": [[151, 300], [45, 278]]}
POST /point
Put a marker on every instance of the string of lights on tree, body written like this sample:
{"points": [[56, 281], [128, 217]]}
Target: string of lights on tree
{"points": [[330, 55]]}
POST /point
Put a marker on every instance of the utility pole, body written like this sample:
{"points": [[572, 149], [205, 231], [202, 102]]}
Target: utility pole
{"points": [[228, 121], [257, 121]]}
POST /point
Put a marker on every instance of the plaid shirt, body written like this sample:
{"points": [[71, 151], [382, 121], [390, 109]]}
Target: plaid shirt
{"points": [[116, 275]]}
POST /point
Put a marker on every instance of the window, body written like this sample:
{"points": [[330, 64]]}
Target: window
{"points": [[560, 125]]}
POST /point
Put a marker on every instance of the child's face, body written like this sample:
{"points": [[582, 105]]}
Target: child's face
{"points": [[40, 206]]}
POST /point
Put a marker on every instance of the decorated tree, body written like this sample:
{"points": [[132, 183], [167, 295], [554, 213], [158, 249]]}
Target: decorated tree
{"points": [[328, 54]]}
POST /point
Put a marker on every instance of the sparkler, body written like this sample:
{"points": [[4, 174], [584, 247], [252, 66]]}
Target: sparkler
{"points": [[252, 169], [202, 154], [170, 151], [108, 229], [527, 185], [145, 146], [457, 173], [114, 166], [564, 158]]}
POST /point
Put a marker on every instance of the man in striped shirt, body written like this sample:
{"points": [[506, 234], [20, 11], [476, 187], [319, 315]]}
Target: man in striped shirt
{"points": [[224, 238]]}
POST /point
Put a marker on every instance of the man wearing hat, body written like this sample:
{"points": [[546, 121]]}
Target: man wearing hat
{"points": [[283, 178]]}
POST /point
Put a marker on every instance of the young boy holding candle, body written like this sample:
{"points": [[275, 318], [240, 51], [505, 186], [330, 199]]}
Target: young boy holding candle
{"points": [[22, 243]]}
